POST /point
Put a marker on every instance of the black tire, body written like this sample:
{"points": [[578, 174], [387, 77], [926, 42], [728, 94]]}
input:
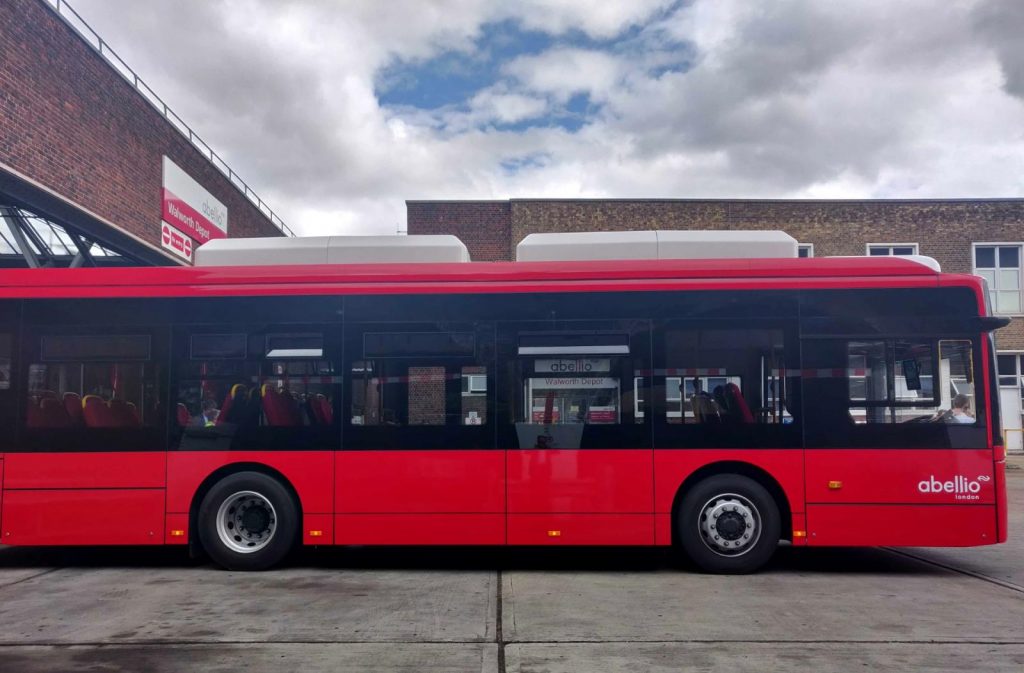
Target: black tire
{"points": [[274, 528], [729, 496]]}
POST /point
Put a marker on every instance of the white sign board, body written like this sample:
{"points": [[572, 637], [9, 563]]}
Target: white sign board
{"points": [[573, 366], [187, 206], [573, 382]]}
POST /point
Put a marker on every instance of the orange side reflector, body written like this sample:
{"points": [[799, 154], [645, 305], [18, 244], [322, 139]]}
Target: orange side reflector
{"points": [[316, 533], [177, 533], [835, 485], [554, 533], [799, 533]]}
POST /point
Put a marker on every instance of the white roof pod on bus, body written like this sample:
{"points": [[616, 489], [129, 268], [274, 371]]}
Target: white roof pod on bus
{"points": [[331, 250], [924, 260], [600, 245]]}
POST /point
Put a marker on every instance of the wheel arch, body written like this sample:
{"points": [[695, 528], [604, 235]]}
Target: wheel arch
{"points": [[749, 470]]}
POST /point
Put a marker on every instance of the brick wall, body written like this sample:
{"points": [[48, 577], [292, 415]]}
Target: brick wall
{"points": [[426, 395], [943, 229], [70, 122], [482, 225]]}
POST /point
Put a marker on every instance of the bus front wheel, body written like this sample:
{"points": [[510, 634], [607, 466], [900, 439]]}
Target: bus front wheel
{"points": [[248, 521], [728, 524]]}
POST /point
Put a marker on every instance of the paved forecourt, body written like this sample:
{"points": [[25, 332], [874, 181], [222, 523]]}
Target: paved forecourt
{"points": [[560, 611]]}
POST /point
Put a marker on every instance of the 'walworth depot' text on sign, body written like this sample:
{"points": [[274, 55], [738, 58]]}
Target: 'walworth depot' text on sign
{"points": [[190, 208]]}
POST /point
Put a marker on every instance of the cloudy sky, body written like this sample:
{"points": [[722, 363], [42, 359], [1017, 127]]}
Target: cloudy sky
{"points": [[336, 111]]}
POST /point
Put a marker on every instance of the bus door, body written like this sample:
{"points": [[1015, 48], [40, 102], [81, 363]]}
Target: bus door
{"points": [[418, 463], [896, 442], [578, 440]]}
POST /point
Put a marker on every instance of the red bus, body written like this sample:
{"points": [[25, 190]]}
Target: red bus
{"points": [[721, 406]]}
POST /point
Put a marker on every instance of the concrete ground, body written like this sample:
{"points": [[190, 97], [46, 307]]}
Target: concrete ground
{"points": [[550, 611]]}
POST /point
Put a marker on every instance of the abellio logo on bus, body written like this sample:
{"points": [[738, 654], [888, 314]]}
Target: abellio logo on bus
{"points": [[960, 486]]}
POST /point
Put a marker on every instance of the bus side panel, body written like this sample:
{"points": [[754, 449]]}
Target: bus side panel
{"points": [[309, 472], [905, 476], [92, 498], [424, 482], [586, 496], [420, 529], [673, 466], [901, 525], [420, 497], [84, 516], [121, 469]]}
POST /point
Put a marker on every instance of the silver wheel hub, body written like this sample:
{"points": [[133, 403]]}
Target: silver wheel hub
{"points": [[246, 522], [729, 524]]}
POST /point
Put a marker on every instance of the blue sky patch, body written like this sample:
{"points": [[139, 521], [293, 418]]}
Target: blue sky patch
{"points": [[445, 84]]}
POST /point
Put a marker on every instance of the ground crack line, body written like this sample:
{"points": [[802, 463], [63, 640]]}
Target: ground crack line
{"points": [[945, 566], [30, 577], [499, 636]]}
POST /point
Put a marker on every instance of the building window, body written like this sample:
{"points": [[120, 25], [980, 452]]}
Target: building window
{"points": [[891, 249], [805, 250], [1000, 266], [1011, 371]]}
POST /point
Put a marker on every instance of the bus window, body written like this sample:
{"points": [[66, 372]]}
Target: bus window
{"points": [[8, 394], [725, 386], [892, 392], [5, 361], [87, 381], [255, 388], [419, 387], [394, 393], [579, 388]]}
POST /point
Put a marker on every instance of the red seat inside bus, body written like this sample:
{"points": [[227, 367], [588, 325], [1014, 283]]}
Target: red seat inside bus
{"points": [[280, 408], [73, 407], [233, 409], [737, 404]]}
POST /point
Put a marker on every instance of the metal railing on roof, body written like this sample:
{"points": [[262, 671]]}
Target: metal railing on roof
{"points": [[73, 19]]}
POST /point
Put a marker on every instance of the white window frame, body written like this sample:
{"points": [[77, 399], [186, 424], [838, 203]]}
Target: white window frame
{"points": [[1020, 260], [809, 247], [638, 402], [470, 389], [868, 246]]}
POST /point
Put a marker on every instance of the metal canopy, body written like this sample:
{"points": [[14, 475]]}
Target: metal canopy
{"points": [[29, 239]]}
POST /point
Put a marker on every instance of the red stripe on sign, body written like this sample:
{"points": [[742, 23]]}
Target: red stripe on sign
{"points": [[187, 218]]}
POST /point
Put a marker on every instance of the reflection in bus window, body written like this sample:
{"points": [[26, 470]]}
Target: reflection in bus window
{"points": [[418, 378], [574, 389]]}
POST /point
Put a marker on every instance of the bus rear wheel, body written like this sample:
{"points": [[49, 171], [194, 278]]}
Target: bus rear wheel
{"points": [[728, 524], [248, 521]]}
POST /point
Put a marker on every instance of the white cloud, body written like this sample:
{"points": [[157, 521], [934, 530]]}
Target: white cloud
{"points": [[563, 72], [712, 98]]}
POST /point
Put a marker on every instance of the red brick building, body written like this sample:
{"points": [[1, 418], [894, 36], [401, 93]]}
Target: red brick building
{"points": [[984, 236], [83, 146]]}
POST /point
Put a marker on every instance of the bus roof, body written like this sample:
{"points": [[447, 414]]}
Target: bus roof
{"points": [[470, 276], [483, 271]]}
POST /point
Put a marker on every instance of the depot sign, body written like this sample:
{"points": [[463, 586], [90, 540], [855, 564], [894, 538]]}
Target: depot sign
{"points": [[190, 208]]}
